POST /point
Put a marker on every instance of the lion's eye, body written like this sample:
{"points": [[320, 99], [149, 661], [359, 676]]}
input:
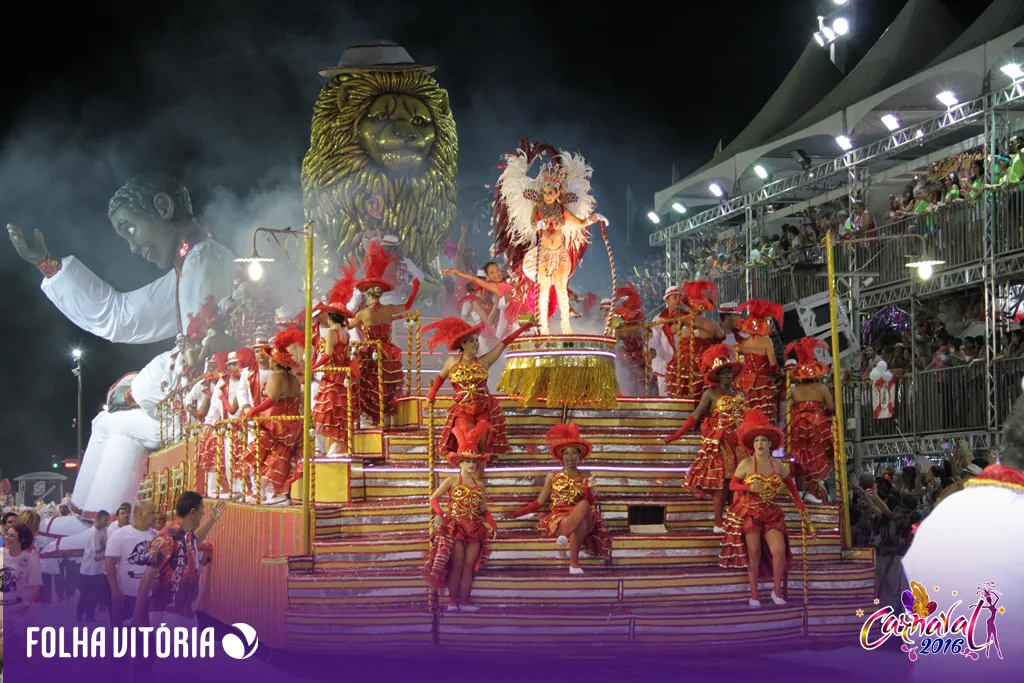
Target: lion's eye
{"points": [[419, 121]]}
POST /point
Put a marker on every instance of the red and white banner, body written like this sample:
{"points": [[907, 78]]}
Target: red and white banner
{"points": [[883, 399]]}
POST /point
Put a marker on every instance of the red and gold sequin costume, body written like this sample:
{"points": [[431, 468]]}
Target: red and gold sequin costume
{"points": [[683, 377], [277, 445], [472, 403], [566, 492], [754, 512], [465, 522], [389, 364], [330, 410], [631, 351], [716, 460], [811, 440], [758, 383]]}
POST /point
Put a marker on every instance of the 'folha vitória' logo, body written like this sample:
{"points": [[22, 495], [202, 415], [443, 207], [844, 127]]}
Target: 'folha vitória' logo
{"points": [[162, 642]]}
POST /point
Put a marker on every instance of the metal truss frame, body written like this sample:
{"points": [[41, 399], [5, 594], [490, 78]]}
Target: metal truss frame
{"points": [[929, 444], [926, 131]]}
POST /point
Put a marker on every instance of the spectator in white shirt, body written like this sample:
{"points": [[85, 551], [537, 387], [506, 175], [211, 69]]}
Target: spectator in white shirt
{"points": [[93, 589], [121, 518], [127, 556], [22, 579]]}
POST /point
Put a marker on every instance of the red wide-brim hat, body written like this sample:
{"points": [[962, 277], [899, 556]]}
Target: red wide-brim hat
{"points": [[282, 358], [754, 327], [370, 282], [562, 436], [810, 370], [711, 377], [455, 457], [755, 424], [456, 343]]}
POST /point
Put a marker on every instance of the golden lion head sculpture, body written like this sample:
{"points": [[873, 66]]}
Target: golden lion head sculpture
{"points": [[382, 160]]}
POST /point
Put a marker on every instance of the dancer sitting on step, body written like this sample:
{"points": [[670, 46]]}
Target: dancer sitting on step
{"points": [[468, 373], [811, 444], [723, 405], [460, 540], [573, 517], [755, 528]]}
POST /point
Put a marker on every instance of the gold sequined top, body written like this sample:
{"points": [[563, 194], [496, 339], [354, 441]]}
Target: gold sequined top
{"points": [[566, 490], [728, 411], [770, 487], [465, 503], [469, 382]]}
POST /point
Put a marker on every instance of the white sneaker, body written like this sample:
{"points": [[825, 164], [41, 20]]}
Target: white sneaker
{"points": [[811, 499], [469, 608], [754, 603], [777, 600], [718, 530], [452, 607], [575, 570], [279, 499]]}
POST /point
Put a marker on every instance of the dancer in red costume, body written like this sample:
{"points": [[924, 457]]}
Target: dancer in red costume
{"points": [[460, 542], [810, 419], [723, 405], [630, 351], [506, 309], [213, 407], [468, 373], [760, 369], [573, 516], [277, 441], [684, 379], [330, 410], [755, 529], [374, 321]]}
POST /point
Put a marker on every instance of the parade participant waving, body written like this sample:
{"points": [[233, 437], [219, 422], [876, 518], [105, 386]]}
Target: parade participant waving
{"points": [[696, 334], [460, 542], [760, 369], [723, 405], [573, 517], [468, 373], [755, 529], [374, 321]]}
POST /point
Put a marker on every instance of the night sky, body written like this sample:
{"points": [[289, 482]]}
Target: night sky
{"points": [[221, 96]]}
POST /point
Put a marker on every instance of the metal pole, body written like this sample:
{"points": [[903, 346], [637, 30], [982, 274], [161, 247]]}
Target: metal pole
{"points": [[307, 388], [837, 380], [78, 423]]}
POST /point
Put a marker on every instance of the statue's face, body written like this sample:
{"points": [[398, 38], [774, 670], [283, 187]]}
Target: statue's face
{"points": [[398, 133], [549, 193], [149, 236]]}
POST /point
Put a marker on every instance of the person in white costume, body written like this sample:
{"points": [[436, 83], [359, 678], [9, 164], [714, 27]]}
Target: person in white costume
{"points": [[662, 340], [973, 543], [153, 213]]}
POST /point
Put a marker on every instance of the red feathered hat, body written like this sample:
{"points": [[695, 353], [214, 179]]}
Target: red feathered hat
{"points": [[280, 351], [468, 442], [715, 358], [807, 366], [200, 323], [451, 331], [375, 263], [755, 424], [246, 358], [631, 306], [756, 323], [565, 435], [700, 295], [220, 362], [341, 293]]}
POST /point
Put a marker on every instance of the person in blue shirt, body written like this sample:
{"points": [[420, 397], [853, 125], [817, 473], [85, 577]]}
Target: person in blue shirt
{"points": [[6, 522]]}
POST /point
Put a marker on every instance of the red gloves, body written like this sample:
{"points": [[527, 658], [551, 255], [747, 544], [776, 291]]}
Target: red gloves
{"points": [[589, 493], [736, 484], [435, 387], [321, 361], [515, 335], [690, 423], [412, 295], [490, 521], [266, 404], [527, 509], [435, 503], [791, 485]]}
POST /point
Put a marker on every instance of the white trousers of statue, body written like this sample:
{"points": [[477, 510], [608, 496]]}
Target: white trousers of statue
{"points": [[115, 460]]}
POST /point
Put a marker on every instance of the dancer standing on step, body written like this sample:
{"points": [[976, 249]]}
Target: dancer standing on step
{"points": [[573, 516], [755, 528], [663, 337], [460, 541], [723, 406], [630, 350], [374, 321], [697, 333], [811, 443], [760, 369], [330, 409], [468, 372]]}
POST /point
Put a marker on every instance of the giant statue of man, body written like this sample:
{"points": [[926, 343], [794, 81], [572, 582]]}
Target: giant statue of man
{"points": [[153, 213]]}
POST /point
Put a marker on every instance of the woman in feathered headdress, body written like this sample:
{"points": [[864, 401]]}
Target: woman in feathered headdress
{"points": [[330, 409], [755, 528], [723, 405], [760, 369], [468, 372], [540, 224], [374, 320], [573, 517], [696, 334], [629, 310], [213, 409], [810, 419], [460, 541], [276, 448]]}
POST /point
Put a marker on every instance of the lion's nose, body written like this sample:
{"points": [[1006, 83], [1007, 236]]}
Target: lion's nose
{"points": [[405, 131]]}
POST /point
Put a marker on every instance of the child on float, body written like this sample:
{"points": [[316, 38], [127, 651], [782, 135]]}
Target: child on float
{"points": [[573, 517], [460, 540], [755, 528]]}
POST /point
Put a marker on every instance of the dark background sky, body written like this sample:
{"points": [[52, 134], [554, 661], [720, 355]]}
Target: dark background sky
{"points": [[220, 94]]}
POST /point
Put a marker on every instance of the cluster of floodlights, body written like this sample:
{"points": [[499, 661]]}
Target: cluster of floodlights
{"points": [[828, 34]]}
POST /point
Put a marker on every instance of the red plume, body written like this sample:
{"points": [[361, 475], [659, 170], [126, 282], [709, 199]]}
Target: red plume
{"points": [[713, 353], [200, 323], [631, 296], [220, 361], [805, 349], [468, 441], [376, 261], [246, 358], [562, 432], [341, 292], [445, 330], [589, 301], [759, 308], [289, 337], [700, 289]]}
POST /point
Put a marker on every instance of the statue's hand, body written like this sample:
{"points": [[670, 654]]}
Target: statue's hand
{"points": [[34, 252]]}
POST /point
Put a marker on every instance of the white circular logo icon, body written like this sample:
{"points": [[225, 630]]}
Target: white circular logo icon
{"points": [[236, 647]]}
